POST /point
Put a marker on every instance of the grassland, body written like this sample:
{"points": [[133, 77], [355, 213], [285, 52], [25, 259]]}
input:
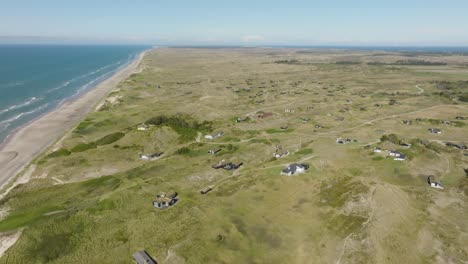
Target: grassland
{"points": [[89, 199]]}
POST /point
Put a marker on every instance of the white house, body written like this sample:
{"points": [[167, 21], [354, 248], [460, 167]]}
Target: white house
{"points": [[142, 127], [377, 150], [295, 169]]}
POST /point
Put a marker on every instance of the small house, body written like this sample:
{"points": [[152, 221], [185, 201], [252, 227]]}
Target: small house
{"points": [[165, 200], [435, 131], [151, 156], [340, 141], [206, 190], [214, 136], [214, 151], [289, 110], [396, 155], [377, 150], [446, 122], [407, 122], [458, 146], [279, 152], [284, 127], [142, 257], [318, 126], [294, 168], [460, 118], [400, 158], [142, 127], [305, 119], [434, 184], [226, 165]]}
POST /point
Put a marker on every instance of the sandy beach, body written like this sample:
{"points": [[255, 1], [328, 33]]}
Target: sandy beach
{"points": [[30, 140]]}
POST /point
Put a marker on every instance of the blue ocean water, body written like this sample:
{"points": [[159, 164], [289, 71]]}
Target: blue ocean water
{"points": [[35, 79]]}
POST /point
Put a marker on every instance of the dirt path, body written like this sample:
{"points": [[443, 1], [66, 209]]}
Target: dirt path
{"points": [[421, 90]]}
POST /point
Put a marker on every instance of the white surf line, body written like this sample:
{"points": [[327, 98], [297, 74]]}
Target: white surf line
{"points": [[421, 90]]}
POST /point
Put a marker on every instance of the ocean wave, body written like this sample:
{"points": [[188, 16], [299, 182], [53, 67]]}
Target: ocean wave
{"points": [[21, 105], [68, 82], [18, 116], [12, 84]]}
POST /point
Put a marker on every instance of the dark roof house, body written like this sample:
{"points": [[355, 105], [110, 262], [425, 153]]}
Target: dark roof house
{"points": [[294, 169], [142, 257]]}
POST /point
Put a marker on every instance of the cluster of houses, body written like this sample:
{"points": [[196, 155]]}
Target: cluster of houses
{"points": [[165, 200], [391, 153], [343, 141], [279, 152]]}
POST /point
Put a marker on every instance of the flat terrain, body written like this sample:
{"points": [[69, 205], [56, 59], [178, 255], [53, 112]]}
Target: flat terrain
{"points": [[88, 198]]}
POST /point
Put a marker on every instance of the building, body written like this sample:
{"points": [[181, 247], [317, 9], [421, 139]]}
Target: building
{"points": [[396, 155], [434, 131], [142, 257], [164, 200], [214, 136], [294, 168], [407, 122], [142, 127], [151, 156], [226, 165], [214, 151], [206, 190], [434, 184], [377, 150]]}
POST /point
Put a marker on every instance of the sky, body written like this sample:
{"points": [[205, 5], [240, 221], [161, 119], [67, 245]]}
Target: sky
{"points": [[236, 22]]}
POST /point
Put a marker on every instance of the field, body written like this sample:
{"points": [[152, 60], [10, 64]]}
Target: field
{"points": [[89, 196]]}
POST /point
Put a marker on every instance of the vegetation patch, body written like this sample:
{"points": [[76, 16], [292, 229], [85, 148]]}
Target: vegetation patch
{"points": [[182, 125], [305, 151], [59, 153], [25, 218], [335, 192], [109, 139], [83, 147]]}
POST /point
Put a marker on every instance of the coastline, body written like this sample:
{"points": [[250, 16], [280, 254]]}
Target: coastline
{"points": [[24, 144]]}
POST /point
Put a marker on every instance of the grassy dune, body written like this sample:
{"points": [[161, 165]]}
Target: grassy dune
{"points": [[90, 197]]}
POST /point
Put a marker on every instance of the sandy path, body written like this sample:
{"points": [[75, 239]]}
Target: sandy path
{"points": [[8, 240], [35, 137]]}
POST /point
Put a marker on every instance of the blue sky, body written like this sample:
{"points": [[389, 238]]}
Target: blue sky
{"points": [[236, 22]]}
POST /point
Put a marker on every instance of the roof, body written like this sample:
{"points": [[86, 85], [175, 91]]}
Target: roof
{"points": [[142, 257], [292, 168]]}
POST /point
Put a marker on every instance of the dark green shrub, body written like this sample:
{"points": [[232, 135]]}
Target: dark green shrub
{"points": [[83, 147], [59, 153], [109, 139]]}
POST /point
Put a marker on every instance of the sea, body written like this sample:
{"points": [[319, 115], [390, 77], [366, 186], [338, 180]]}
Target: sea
{"points": [[36, 79]]}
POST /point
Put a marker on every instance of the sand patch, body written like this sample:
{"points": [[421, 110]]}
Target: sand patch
{"points": [[8, 240]]}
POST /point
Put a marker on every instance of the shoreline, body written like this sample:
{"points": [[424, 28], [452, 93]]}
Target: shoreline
{"points": [[23, 144]]}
